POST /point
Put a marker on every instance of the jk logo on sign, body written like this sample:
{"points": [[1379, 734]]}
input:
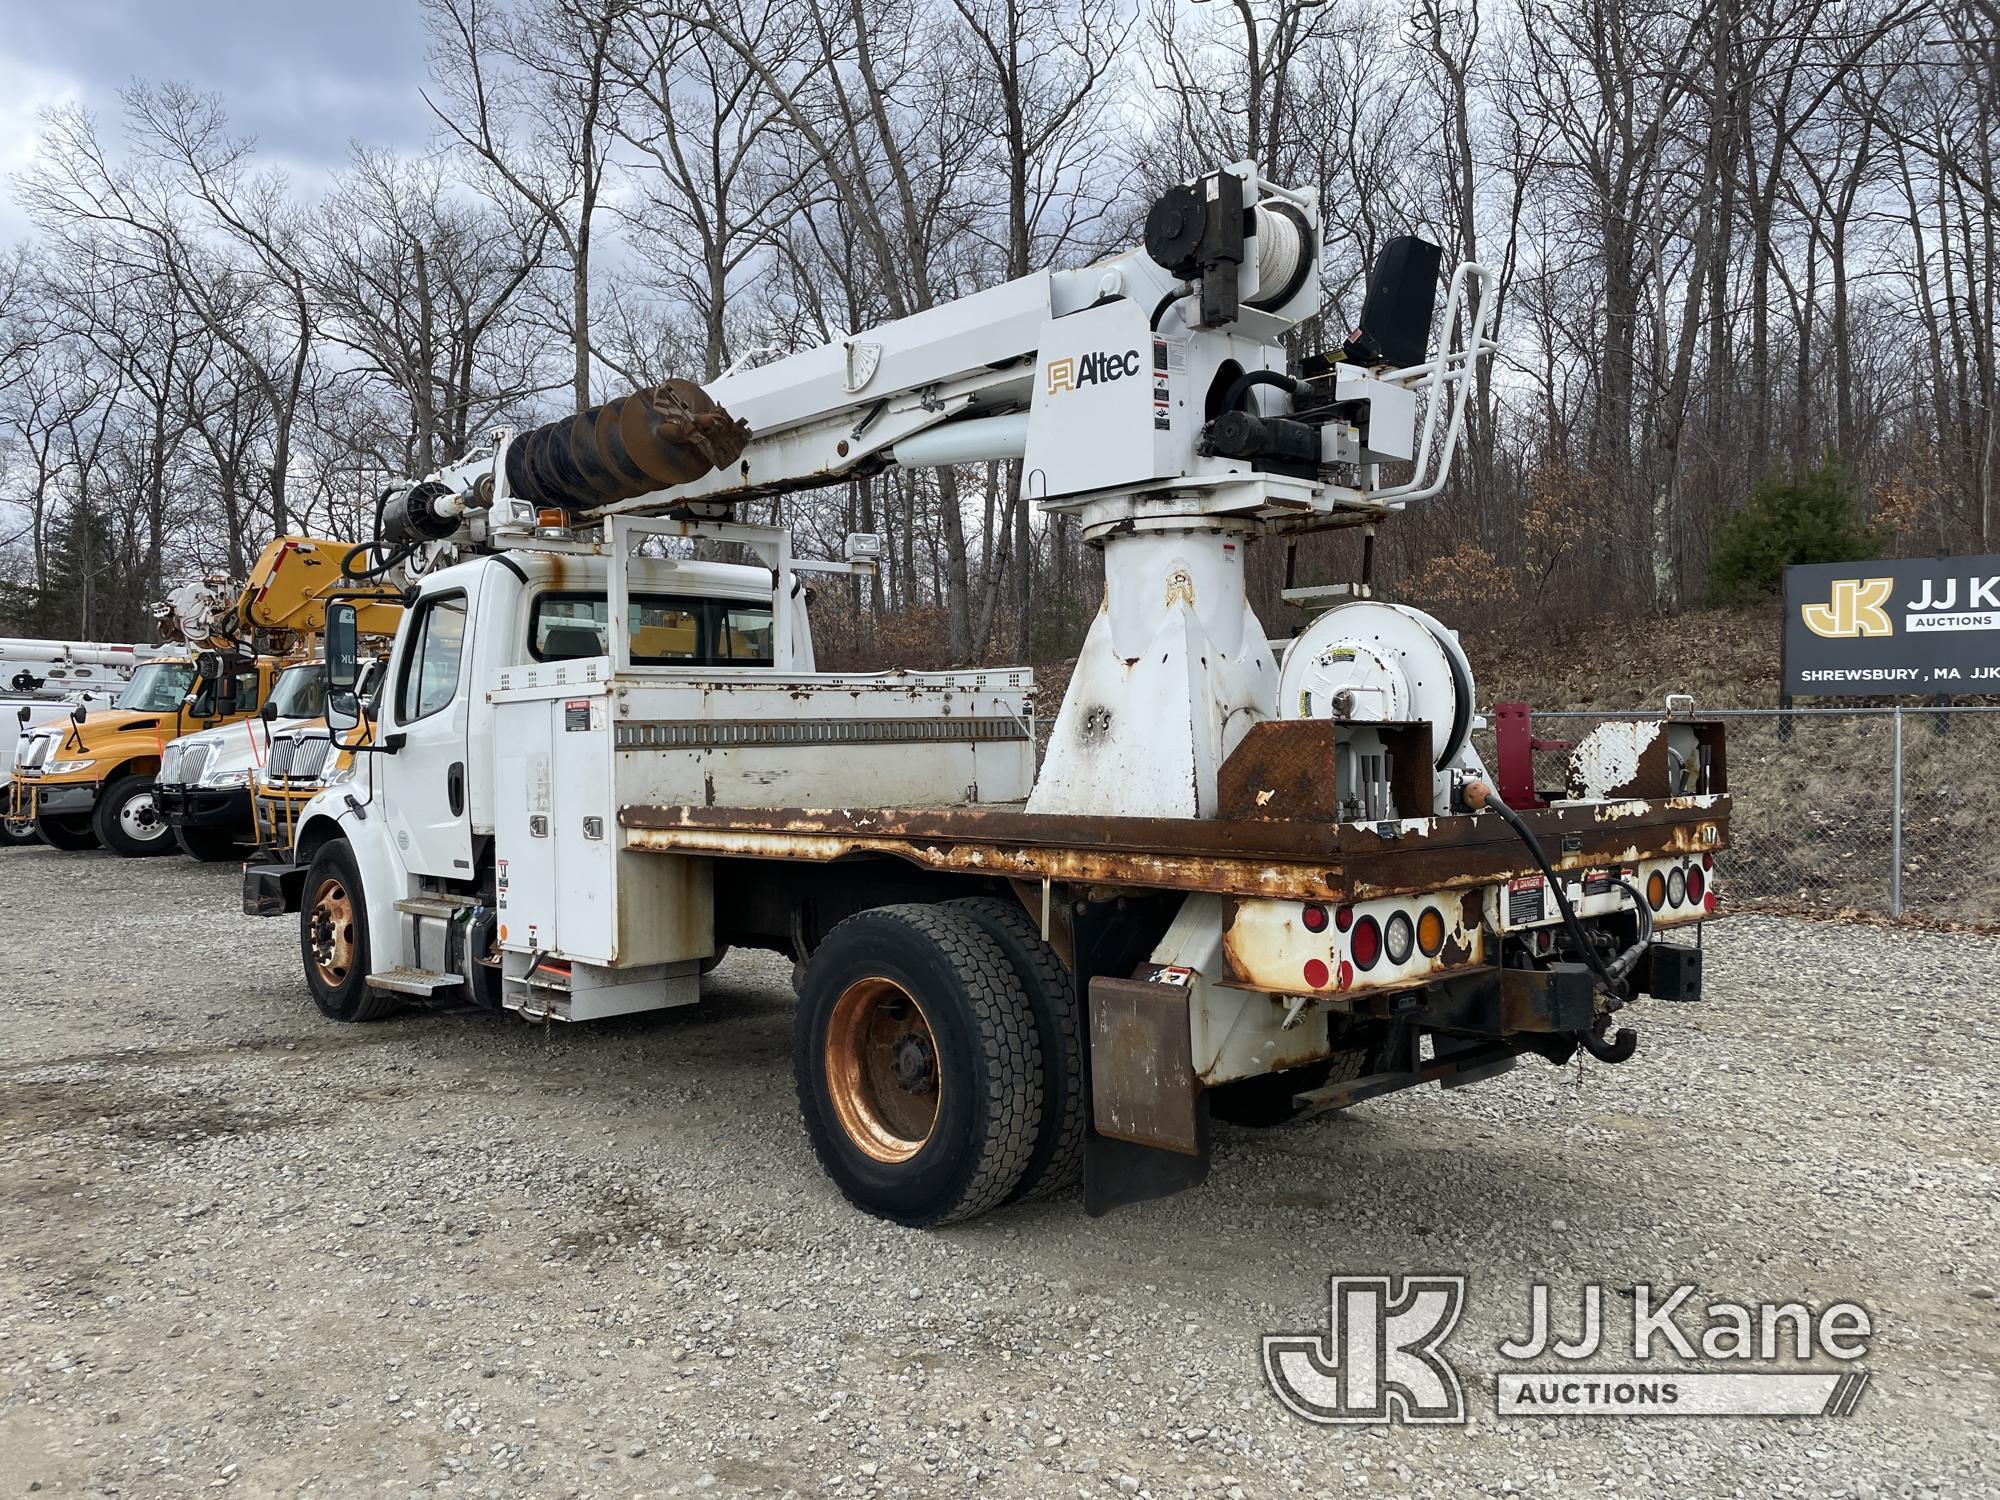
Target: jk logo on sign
{"points": [[1855, 609], [1378, 1361]]}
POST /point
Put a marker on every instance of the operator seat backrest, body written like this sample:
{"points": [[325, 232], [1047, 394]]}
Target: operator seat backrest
{"points": [[571, 642]]}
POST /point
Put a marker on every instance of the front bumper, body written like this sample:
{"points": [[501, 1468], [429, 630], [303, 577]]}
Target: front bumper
{"points": [[198, 807], [61, 799], [272, 890]]}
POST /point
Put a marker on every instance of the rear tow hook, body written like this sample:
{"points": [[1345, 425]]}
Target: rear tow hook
{"points": [[1615, 1049]]}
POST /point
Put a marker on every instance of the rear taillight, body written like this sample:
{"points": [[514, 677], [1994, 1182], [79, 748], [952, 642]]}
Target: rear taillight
{"points": [[1430, 932], [1314, 918], [1656, 890], [1697, 885], [1344, 918], [1676, 886], [1399, 937], [1366, 944]]}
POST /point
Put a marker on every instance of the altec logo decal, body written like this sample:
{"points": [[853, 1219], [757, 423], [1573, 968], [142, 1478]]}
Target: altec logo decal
{"points": [[1855, 609], [1096, 368]]}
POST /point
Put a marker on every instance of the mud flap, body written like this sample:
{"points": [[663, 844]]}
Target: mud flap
{"points": [[1149, 1113]]}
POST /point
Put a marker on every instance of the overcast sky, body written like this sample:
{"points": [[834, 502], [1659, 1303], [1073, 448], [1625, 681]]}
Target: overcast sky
{"points": [[303, 78]]}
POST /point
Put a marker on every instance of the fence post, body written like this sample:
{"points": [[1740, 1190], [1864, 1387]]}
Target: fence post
{"points": [[1896, 818]]}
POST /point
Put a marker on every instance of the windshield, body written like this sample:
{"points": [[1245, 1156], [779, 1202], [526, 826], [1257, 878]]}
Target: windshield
{"points": [[300, 693], [158, 687]]}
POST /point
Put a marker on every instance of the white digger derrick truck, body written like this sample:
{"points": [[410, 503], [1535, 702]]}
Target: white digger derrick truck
{"points": [[1237, 886]]}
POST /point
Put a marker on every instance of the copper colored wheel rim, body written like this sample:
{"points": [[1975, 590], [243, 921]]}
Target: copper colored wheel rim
{"points": [[882, 1070], [332, 932]]}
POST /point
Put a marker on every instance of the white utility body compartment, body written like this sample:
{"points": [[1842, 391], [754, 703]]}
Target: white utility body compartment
{"points": [[574, 743]]}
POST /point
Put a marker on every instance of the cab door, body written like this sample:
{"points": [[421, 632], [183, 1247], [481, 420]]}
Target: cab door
{"points": [[427, 706]]}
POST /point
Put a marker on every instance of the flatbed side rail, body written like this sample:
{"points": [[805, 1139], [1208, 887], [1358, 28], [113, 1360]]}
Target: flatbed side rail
{"points": [[1292, 859]]}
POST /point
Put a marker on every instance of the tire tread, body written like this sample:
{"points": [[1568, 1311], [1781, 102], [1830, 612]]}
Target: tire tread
{"points": [[1011, 1053], [1058, 1159]]}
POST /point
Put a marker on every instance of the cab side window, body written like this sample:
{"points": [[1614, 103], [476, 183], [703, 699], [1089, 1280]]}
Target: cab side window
{"points": [[429, 675]]}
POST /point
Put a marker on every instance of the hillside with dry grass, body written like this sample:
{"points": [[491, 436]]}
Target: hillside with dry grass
{"points": [[1726, 658]]}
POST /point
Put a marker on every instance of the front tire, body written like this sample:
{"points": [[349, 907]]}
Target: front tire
{"points": [[16, 829], [72, 833], [918, 1069], [212, 846], [333, 938], [127, 820]]}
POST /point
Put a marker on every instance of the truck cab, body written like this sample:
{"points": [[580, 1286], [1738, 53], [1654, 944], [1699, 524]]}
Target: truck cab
{"points": [[301, 759], [202, 790], [88, 780], [416, 813]]}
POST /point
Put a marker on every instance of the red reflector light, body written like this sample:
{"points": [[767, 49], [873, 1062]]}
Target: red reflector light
{"points": [[1317, 974], [1366, 943], [1708, 903], [1697, 886], [1344, 918], [1315, 918], [1708, 861]]}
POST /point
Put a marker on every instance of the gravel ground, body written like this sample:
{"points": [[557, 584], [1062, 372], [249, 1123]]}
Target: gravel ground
{"points": [[452, 1254]]}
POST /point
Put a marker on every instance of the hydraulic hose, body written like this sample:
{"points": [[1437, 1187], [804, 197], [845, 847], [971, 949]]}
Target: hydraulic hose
{"points": [[1249, 380], [1477, 795]]}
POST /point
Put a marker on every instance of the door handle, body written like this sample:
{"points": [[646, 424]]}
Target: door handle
{"points": [[454, 788]]}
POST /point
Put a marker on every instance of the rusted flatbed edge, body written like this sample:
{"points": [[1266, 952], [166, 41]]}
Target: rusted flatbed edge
{"points": [[1278, 860]]}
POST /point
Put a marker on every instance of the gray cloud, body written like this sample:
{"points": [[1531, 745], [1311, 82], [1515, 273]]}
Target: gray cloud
{"points": [[304, 79]]}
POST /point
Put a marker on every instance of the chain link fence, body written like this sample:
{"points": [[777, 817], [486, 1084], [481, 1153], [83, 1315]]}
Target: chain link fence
{"points": [[1886, 811]]}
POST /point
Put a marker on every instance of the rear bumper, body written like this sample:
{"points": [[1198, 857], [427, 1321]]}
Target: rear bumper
{"points": [[272, 889], [192, 807]]}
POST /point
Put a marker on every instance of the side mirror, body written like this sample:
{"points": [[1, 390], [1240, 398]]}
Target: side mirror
{"points": [[269, 712], [21, 716], [76, 715], [225, 694], [343, 652], [343, 710]]}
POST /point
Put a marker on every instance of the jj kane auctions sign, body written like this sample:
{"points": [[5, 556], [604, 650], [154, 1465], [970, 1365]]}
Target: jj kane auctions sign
{"points": [[1922, 626]]}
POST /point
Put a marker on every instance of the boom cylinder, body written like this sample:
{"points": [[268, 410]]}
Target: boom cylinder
{"points": [[670, 434]]}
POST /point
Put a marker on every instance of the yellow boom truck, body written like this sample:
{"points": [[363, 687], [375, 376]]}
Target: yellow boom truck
{"points": [[89, 779]]}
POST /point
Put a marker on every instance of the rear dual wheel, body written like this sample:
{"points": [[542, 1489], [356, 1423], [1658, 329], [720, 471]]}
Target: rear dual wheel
{"points": [[921, 1067]]}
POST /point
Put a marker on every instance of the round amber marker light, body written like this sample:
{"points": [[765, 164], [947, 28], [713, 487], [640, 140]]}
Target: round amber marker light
{"points": [[1430, 932]]}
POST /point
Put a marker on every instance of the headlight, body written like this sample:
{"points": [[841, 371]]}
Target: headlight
{"points": [[340, 774], [64, 767], [227, 779]]}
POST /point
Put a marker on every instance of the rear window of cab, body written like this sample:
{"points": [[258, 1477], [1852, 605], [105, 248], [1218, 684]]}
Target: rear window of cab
{"points": [[667, 630]]}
